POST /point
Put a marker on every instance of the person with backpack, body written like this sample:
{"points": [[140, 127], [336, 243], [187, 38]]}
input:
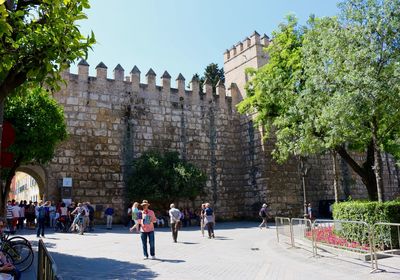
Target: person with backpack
{"points": [[41, 217], [264, 214]]}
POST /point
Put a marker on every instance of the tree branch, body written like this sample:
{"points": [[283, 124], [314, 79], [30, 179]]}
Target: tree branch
{"points": [[13, 80], [353, 164]]}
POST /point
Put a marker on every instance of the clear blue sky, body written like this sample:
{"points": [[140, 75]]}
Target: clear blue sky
{"points": [[183, 36]]}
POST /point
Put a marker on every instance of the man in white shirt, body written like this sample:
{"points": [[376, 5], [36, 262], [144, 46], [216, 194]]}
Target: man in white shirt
{"points": [[175, 216]]}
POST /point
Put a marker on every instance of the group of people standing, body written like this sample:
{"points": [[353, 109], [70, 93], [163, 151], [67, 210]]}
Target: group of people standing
{"points": [[144, 223]]}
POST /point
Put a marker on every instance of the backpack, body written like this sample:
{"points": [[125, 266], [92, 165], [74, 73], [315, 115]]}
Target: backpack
{"points": [[262, 213]]}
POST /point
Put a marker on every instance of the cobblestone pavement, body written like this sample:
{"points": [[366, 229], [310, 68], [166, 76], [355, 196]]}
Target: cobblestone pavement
{"points": [[239, 251]]}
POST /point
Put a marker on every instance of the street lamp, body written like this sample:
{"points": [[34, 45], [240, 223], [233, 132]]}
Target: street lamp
{"points": [[304, 168]]}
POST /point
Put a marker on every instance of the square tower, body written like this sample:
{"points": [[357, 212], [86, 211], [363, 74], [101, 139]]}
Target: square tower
{"points": [[250, 53]]}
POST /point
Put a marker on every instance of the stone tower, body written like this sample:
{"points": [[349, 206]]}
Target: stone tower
{"points": [[250, 53]]}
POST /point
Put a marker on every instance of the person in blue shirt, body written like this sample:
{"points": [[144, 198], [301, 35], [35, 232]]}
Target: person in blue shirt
{"points": [[109, 215], [209, 220]]}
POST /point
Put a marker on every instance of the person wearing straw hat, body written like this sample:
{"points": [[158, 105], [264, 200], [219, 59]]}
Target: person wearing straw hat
{"points": [[147, 229]]}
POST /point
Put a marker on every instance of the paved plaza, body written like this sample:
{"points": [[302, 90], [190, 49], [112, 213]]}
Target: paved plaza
{"points": [[239, 251]]}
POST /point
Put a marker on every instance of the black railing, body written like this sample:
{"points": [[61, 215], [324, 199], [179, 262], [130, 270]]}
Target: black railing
{"points": [[47, 269]]}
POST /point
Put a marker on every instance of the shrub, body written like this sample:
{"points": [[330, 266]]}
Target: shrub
{"points": [[370, 212]]}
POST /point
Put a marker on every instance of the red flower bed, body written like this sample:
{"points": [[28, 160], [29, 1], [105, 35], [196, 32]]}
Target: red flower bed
{"points": [[326, 235]]}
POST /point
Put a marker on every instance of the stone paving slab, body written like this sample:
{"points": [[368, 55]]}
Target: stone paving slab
{"points": [[239, 251]]}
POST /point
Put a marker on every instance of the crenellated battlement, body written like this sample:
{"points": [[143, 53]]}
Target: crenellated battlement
{"points": [[224, 97], [255, 40], [249, 53]]}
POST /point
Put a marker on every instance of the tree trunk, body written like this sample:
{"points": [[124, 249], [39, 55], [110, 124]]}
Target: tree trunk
{"points": [[365, 171], [2, 204], [335, 176], [6, 190], [378, 162]]}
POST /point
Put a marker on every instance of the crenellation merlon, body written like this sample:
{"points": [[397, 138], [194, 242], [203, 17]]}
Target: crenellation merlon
{"points": [[208, 90], [151, 80], [166, 84], [135, 79], [180, 84], [101, 71], [83, 70], [119, 73]]}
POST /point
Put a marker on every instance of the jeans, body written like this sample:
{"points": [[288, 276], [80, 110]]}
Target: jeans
{"points": [[40, 222], [150, 235]]}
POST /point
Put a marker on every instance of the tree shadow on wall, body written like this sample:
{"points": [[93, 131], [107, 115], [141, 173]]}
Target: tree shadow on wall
{"points": [[77, 268]]}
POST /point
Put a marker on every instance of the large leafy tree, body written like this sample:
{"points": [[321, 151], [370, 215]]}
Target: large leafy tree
{"points": [[38, 39], [39, 124], [333, 87], [354, 61], [164, 178]]}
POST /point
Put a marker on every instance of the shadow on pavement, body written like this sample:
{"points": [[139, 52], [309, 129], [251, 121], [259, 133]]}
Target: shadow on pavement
{"points": [[76, 267], [170, 261]]}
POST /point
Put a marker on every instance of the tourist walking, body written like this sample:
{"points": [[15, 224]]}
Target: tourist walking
{"points": [[209, 220], [175, 217], [40, 217], [202, 216], [264, 214], [109, 216], [147, 229], [80, 213], [136, 215]]}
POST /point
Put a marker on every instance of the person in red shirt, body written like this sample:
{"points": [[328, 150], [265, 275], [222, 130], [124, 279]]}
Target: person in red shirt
{"points": [[147, 229]]}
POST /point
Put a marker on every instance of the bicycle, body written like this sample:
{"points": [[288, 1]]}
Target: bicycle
{"points": [[18, 249]]}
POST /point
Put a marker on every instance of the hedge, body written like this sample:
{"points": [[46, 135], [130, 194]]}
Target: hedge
{"points": [[370, 212]]}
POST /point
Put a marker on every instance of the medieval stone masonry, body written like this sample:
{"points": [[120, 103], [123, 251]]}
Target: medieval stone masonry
{"points": [[113, 121]]}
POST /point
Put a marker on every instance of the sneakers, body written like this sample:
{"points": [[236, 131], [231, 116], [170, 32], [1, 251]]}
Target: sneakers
{"points": [[153, 257], [145, 257]]}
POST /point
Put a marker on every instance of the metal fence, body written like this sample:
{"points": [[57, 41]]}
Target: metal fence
{"points": [[284, 230], [302, 233], [371, 242], [386, 240], [349, 236], [47, 269]]}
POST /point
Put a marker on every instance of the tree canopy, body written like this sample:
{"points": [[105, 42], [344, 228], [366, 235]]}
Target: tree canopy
{"points": [[38, 39], [164, 178], [213, 74], [39, 124], [334, 85]]}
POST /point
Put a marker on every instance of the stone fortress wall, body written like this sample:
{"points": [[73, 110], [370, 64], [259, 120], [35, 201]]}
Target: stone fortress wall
{"points": [[113, 121]]}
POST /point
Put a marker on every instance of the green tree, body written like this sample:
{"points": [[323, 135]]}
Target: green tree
{"points": [[39, 124], [213, 74], [354, 61], [315, 91], [38, 39], [164, 178]]}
